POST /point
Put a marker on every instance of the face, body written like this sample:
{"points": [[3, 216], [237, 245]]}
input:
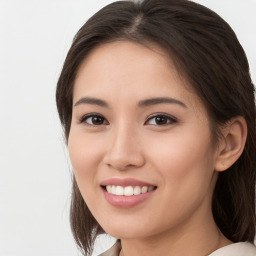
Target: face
{"points": [[140, 142]]}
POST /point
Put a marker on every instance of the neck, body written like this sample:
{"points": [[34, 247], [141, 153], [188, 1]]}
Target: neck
{"points": [[194, 238]]}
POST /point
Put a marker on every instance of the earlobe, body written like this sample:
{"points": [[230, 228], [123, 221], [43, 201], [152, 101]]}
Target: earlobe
{"points": [[232, 143]]}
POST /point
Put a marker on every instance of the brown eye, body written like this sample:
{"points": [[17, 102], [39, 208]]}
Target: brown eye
{"points": [[161, 120], [94, 120]]}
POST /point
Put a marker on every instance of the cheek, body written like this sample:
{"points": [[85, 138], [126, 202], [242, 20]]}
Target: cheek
{"points": [[185, 162], [185, 167], [85, 156]]}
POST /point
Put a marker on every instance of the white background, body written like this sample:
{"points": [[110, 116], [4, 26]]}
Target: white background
{"points": [[35, 174]]}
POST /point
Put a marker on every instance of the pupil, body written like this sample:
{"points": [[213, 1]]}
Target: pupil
{"points": [[97, 120], [161, 120]]}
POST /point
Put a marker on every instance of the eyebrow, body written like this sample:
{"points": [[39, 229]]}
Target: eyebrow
{"points": [[142, 103], [160, 100], [92, 101]]}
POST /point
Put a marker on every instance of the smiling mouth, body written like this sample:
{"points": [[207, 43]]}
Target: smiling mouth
{"points": [[128, 190]]}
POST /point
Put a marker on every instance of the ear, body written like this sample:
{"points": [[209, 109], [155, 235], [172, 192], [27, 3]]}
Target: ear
{"points": [[231, 144]]}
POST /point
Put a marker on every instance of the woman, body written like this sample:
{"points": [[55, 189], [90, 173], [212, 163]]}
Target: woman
{"points": [[158, 109]]}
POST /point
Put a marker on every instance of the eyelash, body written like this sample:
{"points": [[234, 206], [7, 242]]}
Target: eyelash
{"points": [[83, 119], [169, 118]]}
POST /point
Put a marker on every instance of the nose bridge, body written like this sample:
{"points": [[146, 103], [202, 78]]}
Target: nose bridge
{"points": [[121, 135], [124, 149]]}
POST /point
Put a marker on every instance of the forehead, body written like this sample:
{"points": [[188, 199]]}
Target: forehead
{"points": [[126, 57], [126, 69]]}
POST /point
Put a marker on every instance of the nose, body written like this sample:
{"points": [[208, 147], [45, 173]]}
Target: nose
{"points": [[124, 150]]}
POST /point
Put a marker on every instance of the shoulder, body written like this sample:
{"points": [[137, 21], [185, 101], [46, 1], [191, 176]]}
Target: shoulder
{"points": [[237, 249]]}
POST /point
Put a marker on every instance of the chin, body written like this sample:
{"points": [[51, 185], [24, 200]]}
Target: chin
{"points": [[129, 230], [127, 234]]}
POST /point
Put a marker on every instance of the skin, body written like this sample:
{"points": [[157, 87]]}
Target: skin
{"points": [[178, 157]]}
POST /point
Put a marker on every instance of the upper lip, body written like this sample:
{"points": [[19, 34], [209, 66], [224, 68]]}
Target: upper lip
{"points": [[125, 182]]}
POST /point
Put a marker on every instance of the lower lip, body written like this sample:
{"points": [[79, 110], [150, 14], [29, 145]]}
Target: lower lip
{"points": [[126, 201]]}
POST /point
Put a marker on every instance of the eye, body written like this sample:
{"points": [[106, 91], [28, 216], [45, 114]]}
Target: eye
{"points": [[161, 119], [93, 119]]}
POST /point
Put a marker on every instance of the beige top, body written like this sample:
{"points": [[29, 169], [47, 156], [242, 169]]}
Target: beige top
{"points": [[237, 249]]}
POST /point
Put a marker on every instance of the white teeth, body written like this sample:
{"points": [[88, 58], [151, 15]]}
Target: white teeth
{"points": [[128, 191], [119, 191], [137, 190], [144, 189], [109, 188], [113, 190]]}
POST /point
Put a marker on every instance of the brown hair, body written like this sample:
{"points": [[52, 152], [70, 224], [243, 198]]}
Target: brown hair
{"points": [[206, 50]]}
